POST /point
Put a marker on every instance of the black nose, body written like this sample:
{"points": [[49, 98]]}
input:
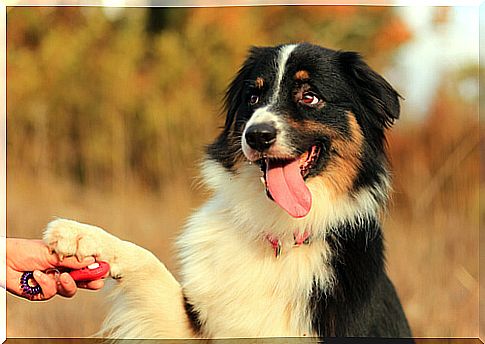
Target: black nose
{"points": [[260, 136]]}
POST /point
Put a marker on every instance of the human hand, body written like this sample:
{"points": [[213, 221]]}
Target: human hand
{"points": [[33, 255]]}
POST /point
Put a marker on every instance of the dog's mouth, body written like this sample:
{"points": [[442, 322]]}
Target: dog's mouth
{"points": [[284, 180]]}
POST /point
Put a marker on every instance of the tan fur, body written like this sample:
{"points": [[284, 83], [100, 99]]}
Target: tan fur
{"points": [[302, 75], [343, 167]]}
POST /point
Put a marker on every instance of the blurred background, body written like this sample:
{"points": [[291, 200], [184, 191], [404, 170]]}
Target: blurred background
{"points": [[109, 110]]}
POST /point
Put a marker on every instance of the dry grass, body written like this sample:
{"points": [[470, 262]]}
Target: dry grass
{"points": [[133, 215]]}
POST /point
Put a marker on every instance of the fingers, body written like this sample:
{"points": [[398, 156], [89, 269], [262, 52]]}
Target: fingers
{"points": [[48, 285], [93, 285], [66, 287], [51, 286]]}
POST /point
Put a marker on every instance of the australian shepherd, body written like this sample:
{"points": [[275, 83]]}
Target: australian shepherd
{"points": [[290, 242]]}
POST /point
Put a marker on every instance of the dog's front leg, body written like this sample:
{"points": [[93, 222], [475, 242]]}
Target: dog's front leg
{"points": [[147, 300]]}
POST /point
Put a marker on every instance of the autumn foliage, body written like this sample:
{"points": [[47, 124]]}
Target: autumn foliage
{"points": [[103, 100]]}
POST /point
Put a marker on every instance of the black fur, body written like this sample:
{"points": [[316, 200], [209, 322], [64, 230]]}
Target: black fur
{"points": [[226, 148], [363, 302], [193, 316]]}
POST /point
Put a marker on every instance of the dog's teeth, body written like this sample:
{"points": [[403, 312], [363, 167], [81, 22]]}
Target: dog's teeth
{"points": [[262, 181]]}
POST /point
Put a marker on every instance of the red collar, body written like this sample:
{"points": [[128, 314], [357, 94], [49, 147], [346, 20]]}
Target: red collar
{"points": [[299, 239]]}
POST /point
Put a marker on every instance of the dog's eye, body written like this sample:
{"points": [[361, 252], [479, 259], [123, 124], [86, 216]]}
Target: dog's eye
{"points": [[253, 99], [309, 98]]}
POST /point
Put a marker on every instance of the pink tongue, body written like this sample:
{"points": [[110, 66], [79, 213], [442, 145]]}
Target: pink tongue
{"points": [[287, 187]]}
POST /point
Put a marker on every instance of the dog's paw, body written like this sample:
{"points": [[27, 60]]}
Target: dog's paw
{"points": [[71, 238]]}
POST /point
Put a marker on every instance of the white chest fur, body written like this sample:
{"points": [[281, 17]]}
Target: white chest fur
{"points": [[237, 285], [229, 271]]}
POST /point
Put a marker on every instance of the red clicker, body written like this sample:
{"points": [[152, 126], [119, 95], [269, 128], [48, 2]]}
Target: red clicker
{"points": [[91, 272]]}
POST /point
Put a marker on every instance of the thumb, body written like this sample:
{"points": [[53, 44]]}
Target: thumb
{"points": [[73, 263]]}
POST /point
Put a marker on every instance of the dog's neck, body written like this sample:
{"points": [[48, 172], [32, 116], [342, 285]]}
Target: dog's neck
{"points": [[242, 200]]}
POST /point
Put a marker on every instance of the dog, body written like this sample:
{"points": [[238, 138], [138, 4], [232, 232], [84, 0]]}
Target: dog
{"points": [[290, 242]]}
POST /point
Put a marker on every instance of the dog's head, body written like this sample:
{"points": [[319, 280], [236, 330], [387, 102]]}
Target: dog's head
{"points": [[300, 112]]}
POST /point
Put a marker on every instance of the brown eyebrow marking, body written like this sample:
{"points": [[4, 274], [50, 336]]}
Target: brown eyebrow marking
{"points": [[302, 75], [259, 82]]}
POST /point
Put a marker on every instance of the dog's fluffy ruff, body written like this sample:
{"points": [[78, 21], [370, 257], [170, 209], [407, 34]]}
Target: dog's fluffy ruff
{"points": [[224, 245]]}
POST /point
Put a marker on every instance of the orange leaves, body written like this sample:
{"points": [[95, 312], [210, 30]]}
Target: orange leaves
{"points": [[391, 35]]}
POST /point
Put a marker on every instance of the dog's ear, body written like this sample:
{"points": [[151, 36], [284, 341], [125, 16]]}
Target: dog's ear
{"points": [[374, 92]]}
